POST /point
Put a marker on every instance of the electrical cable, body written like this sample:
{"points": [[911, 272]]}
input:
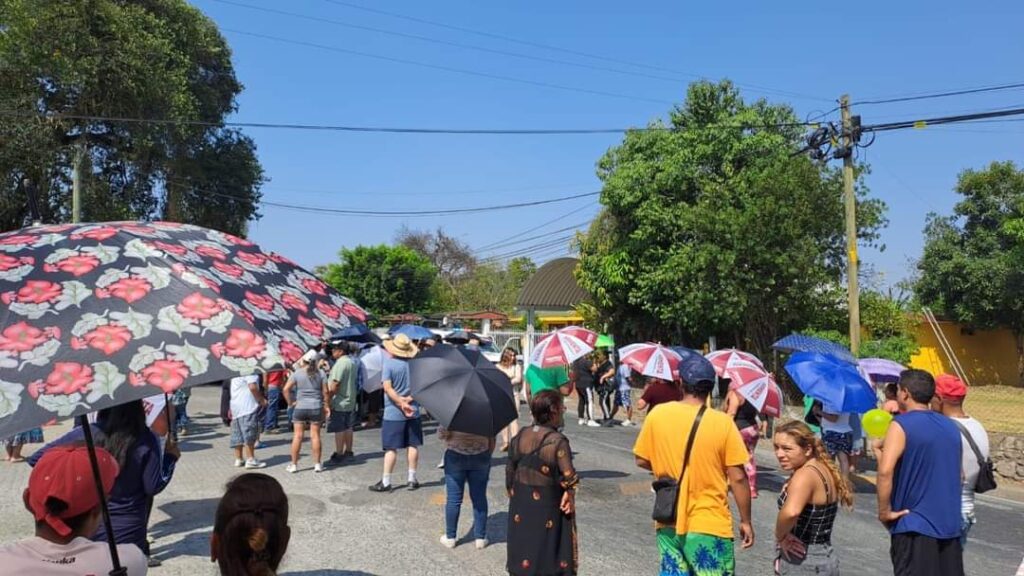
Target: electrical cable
{"points": [[538, 227], [950, 93], [751, 87], [445, 68], [533, 238], [392, 130], [938, 121]]}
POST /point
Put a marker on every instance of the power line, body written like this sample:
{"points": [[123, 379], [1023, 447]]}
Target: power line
{"points": [[938, 121], [403, 213], [393, 130], [550, 47], [449, 43], [537, 227], [533, 238], [445, 68], [950, 93], [526, 251]]}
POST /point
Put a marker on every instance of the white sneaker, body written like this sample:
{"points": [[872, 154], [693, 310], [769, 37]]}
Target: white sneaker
{"points": [[291, 468], [318, 467], [481, 543], [239, 462], [582, 422], [628, 423], [593, 424], [255, 464], [441, 464], [447, 542]]}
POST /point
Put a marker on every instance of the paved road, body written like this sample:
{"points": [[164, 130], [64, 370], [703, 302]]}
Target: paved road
{"points": [[342, 529]]}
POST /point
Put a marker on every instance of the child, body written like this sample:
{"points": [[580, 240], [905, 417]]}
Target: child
{"points": [[891, 405], [14, 444]]}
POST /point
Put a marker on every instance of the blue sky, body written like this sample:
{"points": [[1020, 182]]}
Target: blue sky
{"points": [[814, 51]]}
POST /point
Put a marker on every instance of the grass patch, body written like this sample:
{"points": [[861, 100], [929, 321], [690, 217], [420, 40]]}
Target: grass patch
{"points": [[998, 408]]}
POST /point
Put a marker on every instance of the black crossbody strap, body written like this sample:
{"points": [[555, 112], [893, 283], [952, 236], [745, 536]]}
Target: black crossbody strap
{"points": [[974, 447], [689, 443]]}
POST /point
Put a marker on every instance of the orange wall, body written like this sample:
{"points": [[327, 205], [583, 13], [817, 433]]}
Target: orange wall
{"points": [[988, 356]]}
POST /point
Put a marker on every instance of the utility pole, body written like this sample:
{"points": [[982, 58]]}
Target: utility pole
{"points": [[850, 202], [76, 184]]}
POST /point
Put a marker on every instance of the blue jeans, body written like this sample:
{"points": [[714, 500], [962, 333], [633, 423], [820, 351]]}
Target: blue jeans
{"points": [[273, 399], [458, 470], [967, 520]]}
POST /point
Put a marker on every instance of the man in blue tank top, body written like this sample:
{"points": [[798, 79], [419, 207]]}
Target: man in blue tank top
{"points": [[919, 481]]}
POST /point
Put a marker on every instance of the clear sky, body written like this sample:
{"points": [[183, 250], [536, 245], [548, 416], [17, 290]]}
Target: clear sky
{"points": [[803, 53]]}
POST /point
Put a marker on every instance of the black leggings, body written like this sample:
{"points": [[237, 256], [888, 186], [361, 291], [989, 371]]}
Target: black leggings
{"points": [[585, 408], [607, 402]]}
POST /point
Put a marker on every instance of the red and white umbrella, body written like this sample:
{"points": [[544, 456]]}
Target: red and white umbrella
{"points": [[563, 347], [763, 394], [720, 359], [650, 359]]}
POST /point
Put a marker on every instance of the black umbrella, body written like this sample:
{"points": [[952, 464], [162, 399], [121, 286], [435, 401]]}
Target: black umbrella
{"points": [[358, 332], [461, 337], [463, 390]]}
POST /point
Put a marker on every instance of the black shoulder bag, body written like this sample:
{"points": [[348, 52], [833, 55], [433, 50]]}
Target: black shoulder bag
{"points": [[986, 471], [666, 488]]}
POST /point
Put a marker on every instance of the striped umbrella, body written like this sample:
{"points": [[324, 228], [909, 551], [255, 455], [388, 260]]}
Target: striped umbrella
{"points": [[563, 346], [651, 359], [720, 359], [763, 394]]}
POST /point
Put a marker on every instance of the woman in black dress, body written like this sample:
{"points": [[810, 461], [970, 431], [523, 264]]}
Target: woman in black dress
{"points": [[541, 483]]}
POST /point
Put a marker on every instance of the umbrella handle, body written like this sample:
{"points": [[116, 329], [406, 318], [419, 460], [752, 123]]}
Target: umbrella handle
{"points": [[167, 412], [115, 560]]}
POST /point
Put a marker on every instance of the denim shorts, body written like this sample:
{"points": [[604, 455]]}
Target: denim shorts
{"points": [[341, 421], [623, 398], [244, 430], [398, 434], [308, 416]]}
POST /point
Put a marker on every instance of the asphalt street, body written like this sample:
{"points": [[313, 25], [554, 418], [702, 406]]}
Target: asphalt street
{"points": [[342, 529]]}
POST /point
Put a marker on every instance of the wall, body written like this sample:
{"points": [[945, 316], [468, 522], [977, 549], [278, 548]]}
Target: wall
{"points": [[1007, 453], [988, 356]]}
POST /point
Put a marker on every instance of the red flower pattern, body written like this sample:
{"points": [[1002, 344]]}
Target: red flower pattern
{"points": [[311, 325], [175, 249], [315, 286], [10, 262], [108, 339], [244, 344], [290, 351], [195, 306], [39, 291], [129, 289], [261, 301], [168, 375], [17, 239], [22, 337], [99, 234], [252, 258], [211, 252], [290, 300], [329, 310], [77, 265], [233, 270], [68, 378], [354, 311]]}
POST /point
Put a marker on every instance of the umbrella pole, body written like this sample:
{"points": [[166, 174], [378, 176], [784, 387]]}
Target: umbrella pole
{"points": [[118, 570]]}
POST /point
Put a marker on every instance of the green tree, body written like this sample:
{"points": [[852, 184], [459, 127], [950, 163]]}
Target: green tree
{"points": [[493, 286], [65, 64], [711, 225], [972, 269], [384, 279]]}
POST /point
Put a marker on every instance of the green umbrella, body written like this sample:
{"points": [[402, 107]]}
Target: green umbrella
{"points": [[540, 379], [605, 341]]}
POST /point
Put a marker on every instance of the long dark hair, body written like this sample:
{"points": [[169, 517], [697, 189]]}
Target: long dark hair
{"points": [[123, 425], [251, 526], [545, 406]]}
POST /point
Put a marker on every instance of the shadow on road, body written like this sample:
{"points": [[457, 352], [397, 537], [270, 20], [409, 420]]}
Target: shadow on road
{"points": [[598, 474], [497, 528], [196, 544], [185, 516], [327, 572], [194, 446]]}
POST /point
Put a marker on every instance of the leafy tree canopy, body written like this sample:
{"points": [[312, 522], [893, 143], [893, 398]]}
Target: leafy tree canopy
{"points": [[383, 279], [715, 227], [159, 60], [972, 269]]}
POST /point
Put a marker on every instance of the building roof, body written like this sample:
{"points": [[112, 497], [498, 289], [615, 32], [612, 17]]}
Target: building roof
{"points": [[552, 287]]}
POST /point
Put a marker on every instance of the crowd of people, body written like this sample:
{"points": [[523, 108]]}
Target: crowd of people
{"points": [[928, 464]]}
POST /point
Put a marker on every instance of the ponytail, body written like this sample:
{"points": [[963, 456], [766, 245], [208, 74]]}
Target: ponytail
{"points": [[251, 527], [259, 560]]}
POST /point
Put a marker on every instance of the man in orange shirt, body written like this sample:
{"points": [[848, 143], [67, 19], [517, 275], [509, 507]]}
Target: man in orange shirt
{"points": [[701, 541]]}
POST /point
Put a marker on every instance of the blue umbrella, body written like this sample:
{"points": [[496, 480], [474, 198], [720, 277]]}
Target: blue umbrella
{"points": [[356, 333], [838, 384], [804, 343], [413, 331]]}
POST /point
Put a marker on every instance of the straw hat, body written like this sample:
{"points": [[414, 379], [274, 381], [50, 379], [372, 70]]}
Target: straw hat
{"points": [[401, 346]]}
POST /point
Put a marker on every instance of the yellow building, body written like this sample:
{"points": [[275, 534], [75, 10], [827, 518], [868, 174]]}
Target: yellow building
{"points": [[987, 356]]}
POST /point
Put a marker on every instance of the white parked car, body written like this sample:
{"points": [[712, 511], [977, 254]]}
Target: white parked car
{"points": [[487, 347]]}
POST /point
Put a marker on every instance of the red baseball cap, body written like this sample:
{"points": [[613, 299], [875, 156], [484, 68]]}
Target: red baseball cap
{"points": [[65, 473], [949, 386]]}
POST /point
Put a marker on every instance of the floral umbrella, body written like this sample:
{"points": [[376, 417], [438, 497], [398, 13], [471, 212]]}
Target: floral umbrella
{"points": [[95, 315]]}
